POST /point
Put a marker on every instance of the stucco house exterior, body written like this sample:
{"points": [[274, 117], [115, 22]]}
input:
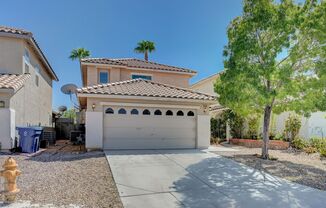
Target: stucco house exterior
{"points": [[25, 84], [314, 126], [137, 104]]}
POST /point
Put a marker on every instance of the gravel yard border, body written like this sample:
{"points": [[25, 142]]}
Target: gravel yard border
{"points": [[298, 167], [66, 178]]}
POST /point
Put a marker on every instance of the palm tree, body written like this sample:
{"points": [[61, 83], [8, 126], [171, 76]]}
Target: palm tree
{"points": [[145, 47], [79, 53]]}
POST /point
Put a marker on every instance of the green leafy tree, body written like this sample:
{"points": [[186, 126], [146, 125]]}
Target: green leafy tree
{"points": [[70, 113], [275, 60], [79, 53], [145, 47]]}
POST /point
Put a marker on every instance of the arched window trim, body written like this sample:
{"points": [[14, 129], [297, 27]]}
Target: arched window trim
{"points": [[134, 112], [122, 111], [169, 113], [109, 111], [158, 112], [146, 112], [190, 113], [180, 113]]}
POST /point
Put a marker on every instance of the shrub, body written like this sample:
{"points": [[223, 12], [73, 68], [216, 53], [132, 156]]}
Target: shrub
{"points": [[310, 150], [218, 128], [278, 136], [318, 143], [299, 143], [217, 140], [292, 127], [236, 123], [253, 124], [322, 152]]}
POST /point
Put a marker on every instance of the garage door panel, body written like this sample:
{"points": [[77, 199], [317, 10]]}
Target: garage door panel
{"points": [[127, 143], [141, 121], [149, 131]]}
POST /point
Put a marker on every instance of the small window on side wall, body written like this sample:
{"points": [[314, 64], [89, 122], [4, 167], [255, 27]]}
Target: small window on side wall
{"points": [[2, 104], [190, 113], [180, 113], [37, 80], [158, 113], [109, 111], [122, 111], [26, 68], [146, 112], [141, 76], [134, 112], [169, 113]]}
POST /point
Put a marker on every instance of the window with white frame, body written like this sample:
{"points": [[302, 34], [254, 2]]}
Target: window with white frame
{"points": [[103, 77], [141, 76]]}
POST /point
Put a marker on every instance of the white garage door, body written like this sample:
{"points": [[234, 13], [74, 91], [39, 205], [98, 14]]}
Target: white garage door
{"points": [[149, 128]]}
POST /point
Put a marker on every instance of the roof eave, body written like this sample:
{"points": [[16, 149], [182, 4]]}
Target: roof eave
{"points": [[30, 38], [140, 69], [132, 97]]}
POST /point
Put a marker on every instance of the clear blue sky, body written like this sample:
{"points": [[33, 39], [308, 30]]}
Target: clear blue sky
{"points": [[187, 33]]}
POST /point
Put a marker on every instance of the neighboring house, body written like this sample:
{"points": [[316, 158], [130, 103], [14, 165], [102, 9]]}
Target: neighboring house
{"points": [[206, 85], [25, 84], [314, 126], [136, 104]]}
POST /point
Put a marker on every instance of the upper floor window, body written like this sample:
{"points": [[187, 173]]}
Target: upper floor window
{"points": [[104, 77], [2, 104], [141, 76], [26, 55], [26, 68]]}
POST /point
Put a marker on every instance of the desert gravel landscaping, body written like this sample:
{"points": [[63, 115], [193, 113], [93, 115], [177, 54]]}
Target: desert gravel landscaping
{"points": [[65, 179], [295, 166]]}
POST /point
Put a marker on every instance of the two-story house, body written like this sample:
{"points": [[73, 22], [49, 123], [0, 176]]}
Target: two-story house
{"points": [[137, 104], [25, 84]]}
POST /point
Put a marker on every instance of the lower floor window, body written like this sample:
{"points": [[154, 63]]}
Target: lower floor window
{"points": [[2, 104]]}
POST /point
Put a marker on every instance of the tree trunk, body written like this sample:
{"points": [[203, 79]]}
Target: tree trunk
{"points": [[267, 118], [146, 55]]}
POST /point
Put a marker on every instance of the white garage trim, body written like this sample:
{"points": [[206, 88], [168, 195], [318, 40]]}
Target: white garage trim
{"points": [[148, 105]]}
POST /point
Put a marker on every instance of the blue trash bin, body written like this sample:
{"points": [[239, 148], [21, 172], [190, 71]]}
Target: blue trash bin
{"points": [[29, 138]]}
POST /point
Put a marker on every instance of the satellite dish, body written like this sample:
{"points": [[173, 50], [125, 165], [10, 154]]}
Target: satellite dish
{"points": [[62, 109], [69, 89]]}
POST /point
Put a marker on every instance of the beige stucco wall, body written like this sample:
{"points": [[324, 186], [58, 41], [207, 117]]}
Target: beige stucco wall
{"points": [[11, 55], [32, 103], [121, 74], [206, 86]]}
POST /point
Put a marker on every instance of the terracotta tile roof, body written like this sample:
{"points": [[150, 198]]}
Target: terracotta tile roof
{"points": [[29, 36], [136, 63], [140, 87], [13, 81], [14, 31]]}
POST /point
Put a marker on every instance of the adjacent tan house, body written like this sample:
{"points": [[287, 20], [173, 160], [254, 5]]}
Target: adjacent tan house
{"points": [[206, 85], [137, 104], [314, 126], [25, 84]]}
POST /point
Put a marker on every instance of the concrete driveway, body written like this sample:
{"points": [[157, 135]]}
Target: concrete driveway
{"points": [[199, 179]]}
